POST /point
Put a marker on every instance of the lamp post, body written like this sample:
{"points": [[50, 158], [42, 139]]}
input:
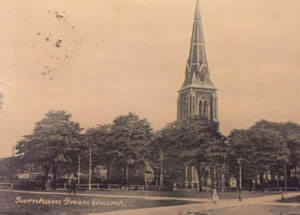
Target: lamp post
{"points": [[90, 168], [161, 178], [240, 160], [78, 174], [285, 176], [12, 166]]}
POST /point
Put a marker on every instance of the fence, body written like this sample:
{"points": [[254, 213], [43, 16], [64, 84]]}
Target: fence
{"points": [[266, 189], [6, 185], [99, 186]]}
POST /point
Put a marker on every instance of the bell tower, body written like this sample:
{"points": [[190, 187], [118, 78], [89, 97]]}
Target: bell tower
{"points": [[197, 95]]}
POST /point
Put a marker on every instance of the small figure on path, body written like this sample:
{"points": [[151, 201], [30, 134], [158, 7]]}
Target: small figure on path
{"points": [[214, 196], [73, 187], [175, 187], [68, 185]]}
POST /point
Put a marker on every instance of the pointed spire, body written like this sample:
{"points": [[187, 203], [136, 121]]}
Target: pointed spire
{"points": [[197, 69], [197, 50]]}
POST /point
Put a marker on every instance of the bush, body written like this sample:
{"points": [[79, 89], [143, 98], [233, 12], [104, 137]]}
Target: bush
{"points": [[28, 184]]}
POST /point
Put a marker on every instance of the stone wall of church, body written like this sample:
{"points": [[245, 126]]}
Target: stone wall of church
{"points": [[197, 102]]}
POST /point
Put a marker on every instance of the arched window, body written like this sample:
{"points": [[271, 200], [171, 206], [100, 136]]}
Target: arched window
{"points": [[184, 106], [203, 108]]}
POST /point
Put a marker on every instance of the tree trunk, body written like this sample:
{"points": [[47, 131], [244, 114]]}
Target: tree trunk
{"points": [[54, 168], [213, 175], [161, 171], [93, 173], [289, 172], [44, 182], [157, 178], [199, 173], [108, 173], [126, 174], [261, 179]]}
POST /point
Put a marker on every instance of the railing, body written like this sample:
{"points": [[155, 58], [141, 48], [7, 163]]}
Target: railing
{"points": [[99, 186], [266, 189], [6, 185], [282, 189]]}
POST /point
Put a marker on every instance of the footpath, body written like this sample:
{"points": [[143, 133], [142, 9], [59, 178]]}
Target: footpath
{"points": [[204, 206]]}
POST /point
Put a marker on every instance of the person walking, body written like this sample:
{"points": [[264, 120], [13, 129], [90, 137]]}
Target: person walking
{"points": [[73, 187], [68, 185], [214, 195]]}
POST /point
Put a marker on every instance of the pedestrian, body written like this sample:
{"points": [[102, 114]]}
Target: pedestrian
{"points": [[214, 195], [73, 187], [68, 185], [174, 187]]}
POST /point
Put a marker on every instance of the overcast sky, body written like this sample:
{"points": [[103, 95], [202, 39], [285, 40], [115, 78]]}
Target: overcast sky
{"points": [[98, 59]]}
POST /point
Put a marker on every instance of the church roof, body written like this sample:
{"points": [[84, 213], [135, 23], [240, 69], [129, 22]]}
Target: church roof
{"points": [[197, 72]]}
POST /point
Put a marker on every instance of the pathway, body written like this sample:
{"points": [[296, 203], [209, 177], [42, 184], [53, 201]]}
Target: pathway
{"points": [[208, 205]]}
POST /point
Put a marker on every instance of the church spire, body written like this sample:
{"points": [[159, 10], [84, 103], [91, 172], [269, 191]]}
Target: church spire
{"points": [[197, 50], [198, 95], [197, 74]]}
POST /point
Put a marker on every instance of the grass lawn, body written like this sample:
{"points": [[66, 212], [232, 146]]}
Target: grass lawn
{"points": [[295, 199], [254, 210], [23, 204], [183, 194]]}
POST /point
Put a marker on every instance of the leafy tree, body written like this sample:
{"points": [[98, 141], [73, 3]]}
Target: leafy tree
{"points": [[130, 137], [291, 133], [161, 153], [195, 140], [262, 147], [100, 139], [202, 144], [68, 165], [5, 168], [53, 138], [239, 146]]}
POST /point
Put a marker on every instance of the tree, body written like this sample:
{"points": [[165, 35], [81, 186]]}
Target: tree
{"points": [[130, 137], [195, 140], [99, 138], [5, 168], [262, 148], [202, 144], [239, 146], [161, 153], [291, 133], [53, 138]]}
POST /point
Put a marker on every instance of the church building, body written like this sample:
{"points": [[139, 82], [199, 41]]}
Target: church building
{"points": [[197, 95]]}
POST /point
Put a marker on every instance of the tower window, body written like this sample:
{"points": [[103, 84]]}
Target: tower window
{"points": [[203, 108], [184, 107]]}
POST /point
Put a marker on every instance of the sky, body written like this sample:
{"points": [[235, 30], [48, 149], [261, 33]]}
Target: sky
{"points": [[98, 59]]}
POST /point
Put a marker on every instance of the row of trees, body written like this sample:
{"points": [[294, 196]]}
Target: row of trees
{"points": [[270, 150], [57, 143]]}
